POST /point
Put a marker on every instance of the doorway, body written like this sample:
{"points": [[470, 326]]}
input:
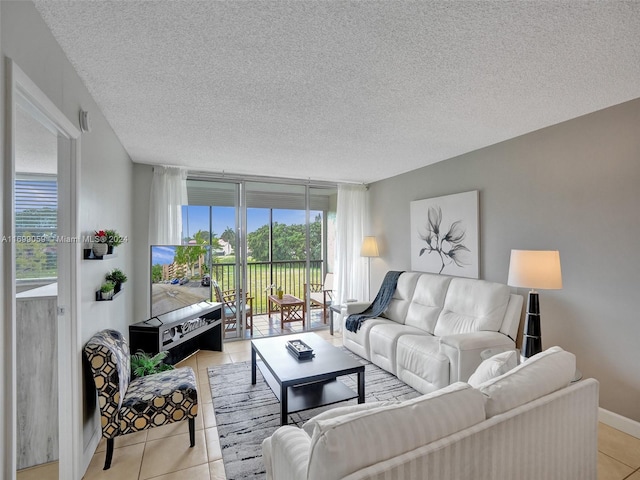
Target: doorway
{"points": [[41, 185]]}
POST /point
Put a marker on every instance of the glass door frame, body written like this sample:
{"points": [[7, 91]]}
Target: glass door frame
{"points": [[307, 273], [241, 264]]}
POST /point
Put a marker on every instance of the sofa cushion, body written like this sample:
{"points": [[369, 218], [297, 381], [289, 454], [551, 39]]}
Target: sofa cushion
{"points": [[420, 364], [399, 304], [359, 342], [540, 375], [343, 445], [427, 301], [494, 367], [383, 341], [472, 306], [310, 425]]}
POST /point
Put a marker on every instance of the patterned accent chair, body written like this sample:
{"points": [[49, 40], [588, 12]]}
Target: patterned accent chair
{"points": [[131, 405]]}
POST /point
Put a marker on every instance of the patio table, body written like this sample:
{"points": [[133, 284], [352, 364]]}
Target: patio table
{"points": [[291, 309]]}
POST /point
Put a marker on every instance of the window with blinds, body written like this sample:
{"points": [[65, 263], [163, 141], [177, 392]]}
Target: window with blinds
{"points": [[36, 221], [200, 192]]}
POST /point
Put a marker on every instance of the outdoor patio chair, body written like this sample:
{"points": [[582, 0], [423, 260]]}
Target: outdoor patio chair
{"points": [[231, 305], [321, 295], [131, 405]]}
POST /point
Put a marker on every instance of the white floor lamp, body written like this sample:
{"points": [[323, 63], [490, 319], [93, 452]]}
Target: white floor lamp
{"points": [[369, 249], [534, 269]]}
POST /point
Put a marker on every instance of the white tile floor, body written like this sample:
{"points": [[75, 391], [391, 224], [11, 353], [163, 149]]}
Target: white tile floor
{"points": [[163, 453]]}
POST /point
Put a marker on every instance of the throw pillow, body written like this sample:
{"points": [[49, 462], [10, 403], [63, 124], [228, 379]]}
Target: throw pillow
{"points": [[494, 367], [540, 375]]}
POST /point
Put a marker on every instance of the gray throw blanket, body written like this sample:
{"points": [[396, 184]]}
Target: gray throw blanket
{"points": [[379, 305]]}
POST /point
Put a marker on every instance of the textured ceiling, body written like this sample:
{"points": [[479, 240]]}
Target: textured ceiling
{"points": [[343, 91]]}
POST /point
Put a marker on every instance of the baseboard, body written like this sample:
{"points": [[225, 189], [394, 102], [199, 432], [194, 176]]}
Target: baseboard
{"points": [[619, 422], [90, 449]]}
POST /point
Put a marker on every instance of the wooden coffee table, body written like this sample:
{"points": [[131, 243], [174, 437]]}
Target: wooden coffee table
{"points": [[304, 384], [291, 309]]}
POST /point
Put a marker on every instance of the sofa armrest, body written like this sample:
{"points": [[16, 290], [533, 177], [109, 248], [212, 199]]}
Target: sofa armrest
{"points": [[464, 349], [286, 453], [353, 307]]}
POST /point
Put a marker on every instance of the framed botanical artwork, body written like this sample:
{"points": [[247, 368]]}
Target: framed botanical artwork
{"points": [[444, 235]]}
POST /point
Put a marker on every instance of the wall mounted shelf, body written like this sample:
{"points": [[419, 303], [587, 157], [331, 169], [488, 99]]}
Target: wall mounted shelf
{"points": [[87, 254], [100, 299]]}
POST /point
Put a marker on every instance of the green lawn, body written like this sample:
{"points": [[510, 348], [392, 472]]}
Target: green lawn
{"points": [[289, 275]]}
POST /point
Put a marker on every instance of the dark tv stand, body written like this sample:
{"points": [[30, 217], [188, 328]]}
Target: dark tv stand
{"points": [[180, 333]]}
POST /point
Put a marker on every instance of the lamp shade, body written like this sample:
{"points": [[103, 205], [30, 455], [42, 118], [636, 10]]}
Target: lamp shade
{"points": [[535, 269], [369, 247]]}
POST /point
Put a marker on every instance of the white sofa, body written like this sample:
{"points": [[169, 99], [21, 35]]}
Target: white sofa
{"points": [[529, 423], [435, 328]]}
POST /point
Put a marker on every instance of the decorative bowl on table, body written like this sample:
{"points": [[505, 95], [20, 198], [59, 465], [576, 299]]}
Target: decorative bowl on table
{"points": [[300, 350]]}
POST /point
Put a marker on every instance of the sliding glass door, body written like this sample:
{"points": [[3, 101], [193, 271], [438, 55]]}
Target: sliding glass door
{"points": [[265, 236], [212, 218]]}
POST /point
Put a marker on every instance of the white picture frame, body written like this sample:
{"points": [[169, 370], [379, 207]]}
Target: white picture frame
{"points": [[444, 235]]}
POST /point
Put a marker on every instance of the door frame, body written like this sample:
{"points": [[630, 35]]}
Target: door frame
{"points": [[19, 85]]}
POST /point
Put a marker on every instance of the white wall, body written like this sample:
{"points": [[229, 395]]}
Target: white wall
{"points": [[142, 178], [574, 187], [106, 170], [6, 432]]}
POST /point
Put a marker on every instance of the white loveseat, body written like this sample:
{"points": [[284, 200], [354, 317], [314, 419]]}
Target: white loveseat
{"points": [[435, 328], [529, 423]]}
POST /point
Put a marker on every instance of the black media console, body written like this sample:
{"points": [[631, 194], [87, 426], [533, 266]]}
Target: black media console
{"points": [[180, 333]]}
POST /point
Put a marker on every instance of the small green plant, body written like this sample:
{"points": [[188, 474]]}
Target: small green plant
{"points": [[116, 276], [113, 238], [143, 364], [107, 287]]}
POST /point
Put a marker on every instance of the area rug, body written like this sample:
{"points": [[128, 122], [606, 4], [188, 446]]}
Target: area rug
{"points": [[247, 414]]}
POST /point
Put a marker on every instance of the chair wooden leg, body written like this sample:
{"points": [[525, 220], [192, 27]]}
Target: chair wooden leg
{"points": [[192, 431], [107, 461]]}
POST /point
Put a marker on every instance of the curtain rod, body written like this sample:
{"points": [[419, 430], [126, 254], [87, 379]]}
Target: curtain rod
{"points": [[203, 175], [209, 175]]}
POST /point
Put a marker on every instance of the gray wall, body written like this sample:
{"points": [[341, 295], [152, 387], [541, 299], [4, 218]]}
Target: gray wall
{"points": [[574, 187], [142, 178], [106, 170], [7, 464]]}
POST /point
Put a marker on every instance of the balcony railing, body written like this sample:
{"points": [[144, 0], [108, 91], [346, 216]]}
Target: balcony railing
{"points": [[289, 275]]}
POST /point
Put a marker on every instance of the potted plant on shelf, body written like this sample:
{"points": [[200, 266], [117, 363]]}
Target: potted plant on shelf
{"points": [[143, 364], [99, 245], [113, 240], [106, 290], [116, 276]]}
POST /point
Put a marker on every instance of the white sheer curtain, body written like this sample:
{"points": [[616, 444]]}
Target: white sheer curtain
{"points": [[351, 275], [168, 195]]}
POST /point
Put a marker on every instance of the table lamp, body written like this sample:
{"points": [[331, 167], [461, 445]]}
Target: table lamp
{"points": [[369, 249], [534, 269]]}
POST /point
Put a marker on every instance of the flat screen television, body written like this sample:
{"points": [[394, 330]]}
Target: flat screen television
{"points": [[179, 277]]}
